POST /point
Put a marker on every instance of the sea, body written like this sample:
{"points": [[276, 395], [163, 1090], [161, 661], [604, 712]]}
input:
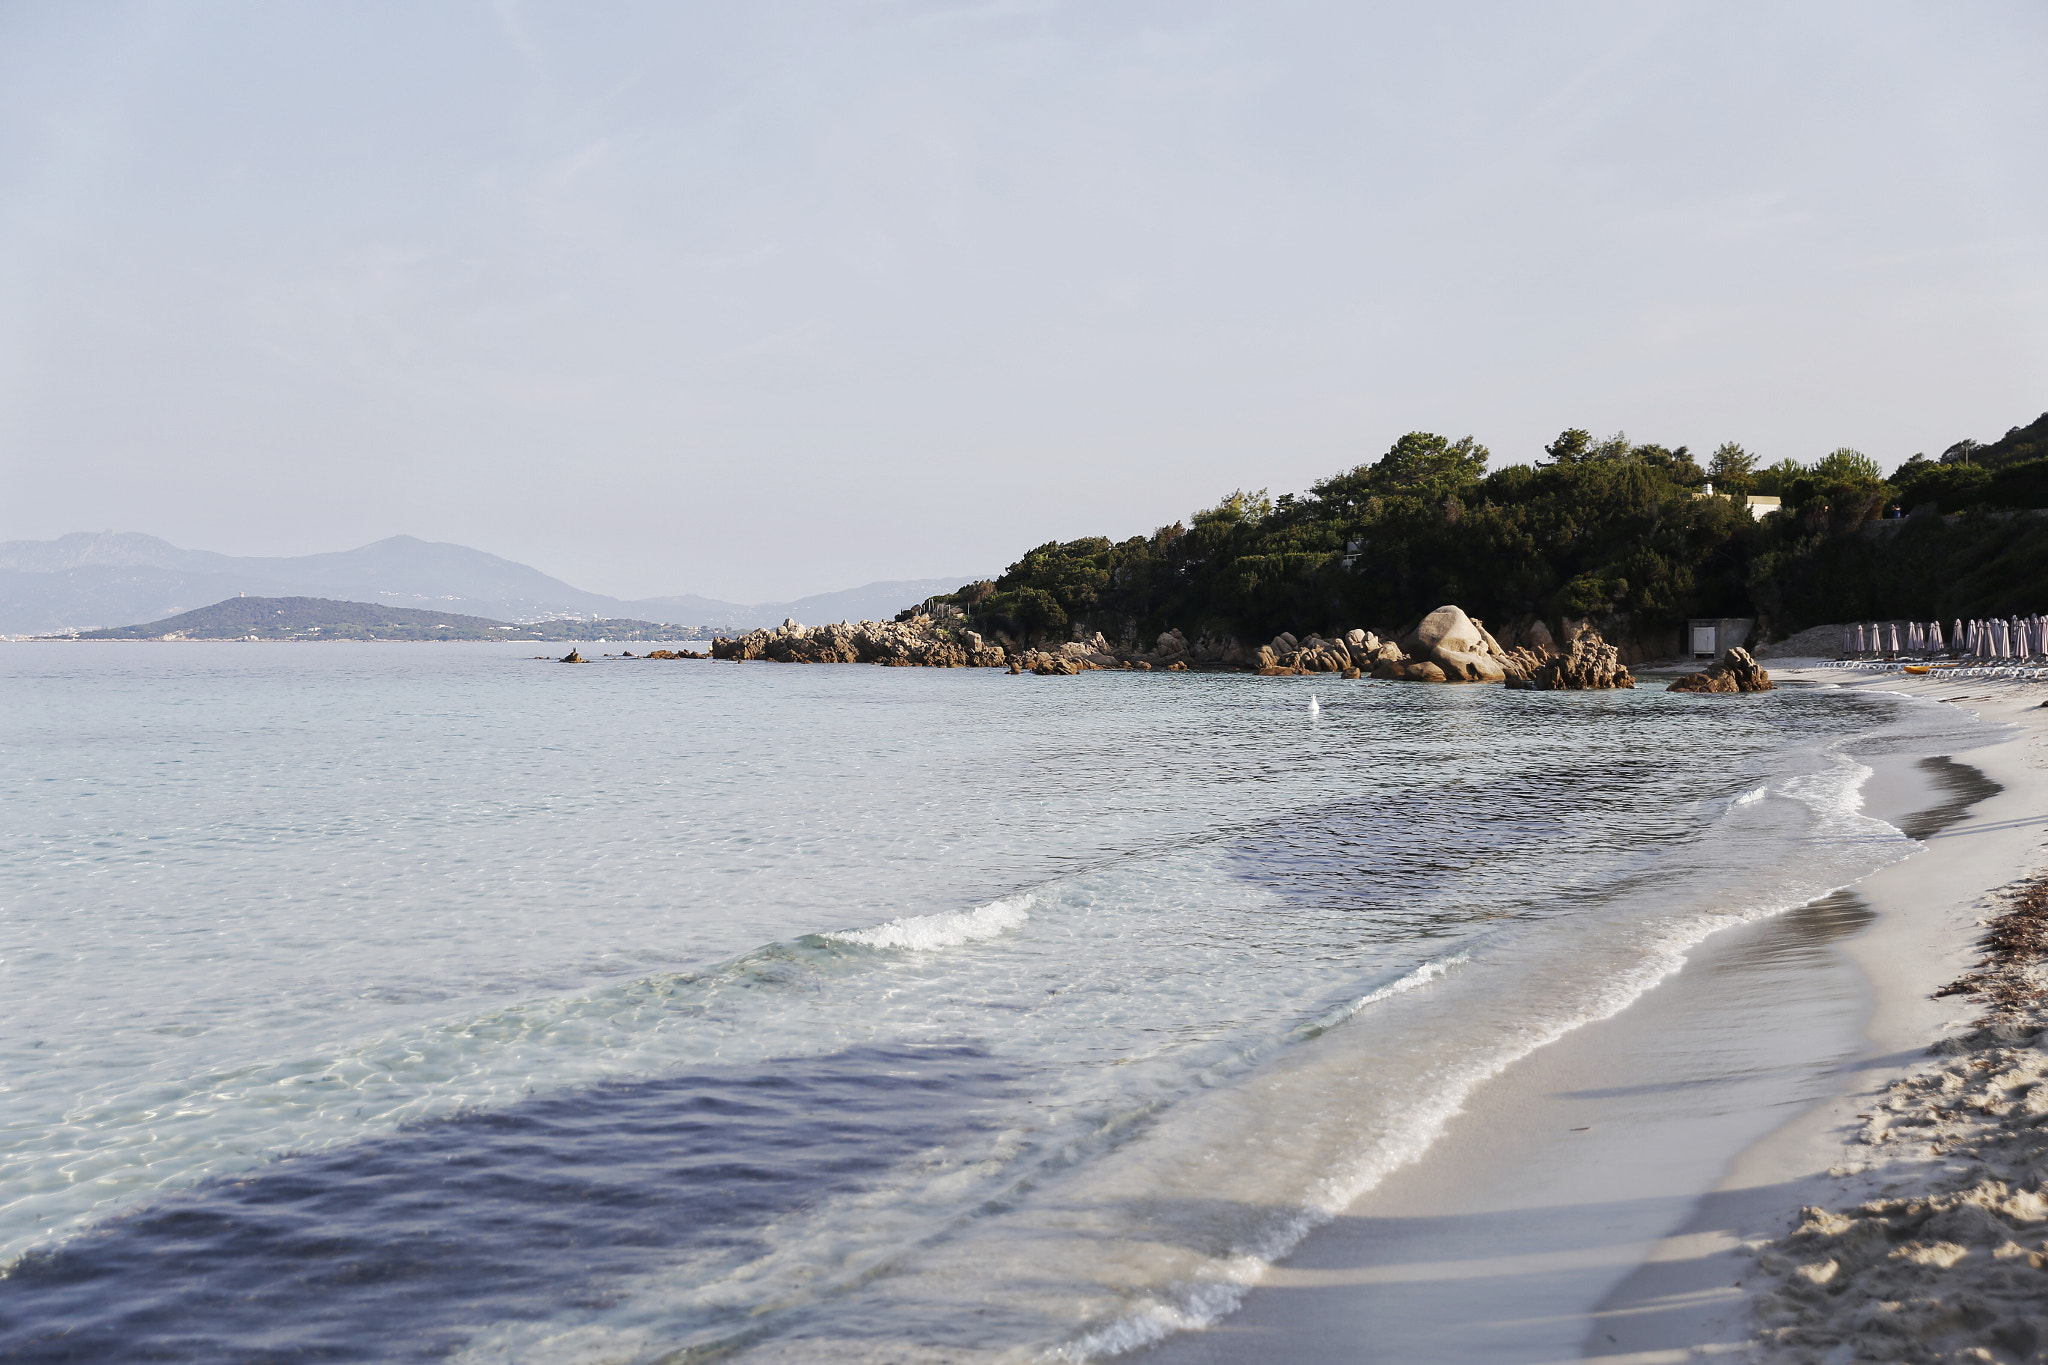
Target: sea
{"points": [[433, 1002]]}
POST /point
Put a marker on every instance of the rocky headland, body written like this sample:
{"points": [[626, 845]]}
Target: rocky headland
{"points": [[1446, 646]]}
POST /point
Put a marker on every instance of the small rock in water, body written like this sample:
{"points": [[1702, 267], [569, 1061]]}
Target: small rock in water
{"points": [[1736, 671]]}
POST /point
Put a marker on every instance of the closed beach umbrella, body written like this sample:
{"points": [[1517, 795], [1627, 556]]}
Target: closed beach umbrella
{"points": [[1893, 631], [1916, 637], [1958, 636], [1848, 639], [1934, 641], [2004, 641]]}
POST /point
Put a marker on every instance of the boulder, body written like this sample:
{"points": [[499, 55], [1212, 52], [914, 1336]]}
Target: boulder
{"points": [[1590, 664], [1735, 671], [572, 657], [1457, 645]]}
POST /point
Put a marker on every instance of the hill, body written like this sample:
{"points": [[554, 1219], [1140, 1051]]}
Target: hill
{"points": [[94, 579], [319, 618], [1624, 533]]}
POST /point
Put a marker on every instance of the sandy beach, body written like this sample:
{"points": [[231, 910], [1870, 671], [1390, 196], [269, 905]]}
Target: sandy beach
{"points": [[1694, 1177]]}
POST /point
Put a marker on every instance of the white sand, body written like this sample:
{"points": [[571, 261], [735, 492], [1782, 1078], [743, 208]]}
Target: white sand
{"points": [[1604, 1199]]}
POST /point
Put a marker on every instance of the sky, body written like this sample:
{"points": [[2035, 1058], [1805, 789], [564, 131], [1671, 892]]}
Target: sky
{"points": [[763, 299]]}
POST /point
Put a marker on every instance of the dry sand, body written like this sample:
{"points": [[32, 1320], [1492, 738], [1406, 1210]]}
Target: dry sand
{"points": [[1672, 1183]]}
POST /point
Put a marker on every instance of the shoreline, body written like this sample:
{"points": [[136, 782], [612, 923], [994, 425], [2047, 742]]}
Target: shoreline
{"points": [[1604, 1198]]}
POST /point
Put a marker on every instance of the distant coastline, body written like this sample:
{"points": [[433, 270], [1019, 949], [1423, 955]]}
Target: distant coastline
{"points": [[313, 619]]}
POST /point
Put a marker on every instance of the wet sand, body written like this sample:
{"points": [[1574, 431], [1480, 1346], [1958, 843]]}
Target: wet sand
{"points": [[1599, 1199]]}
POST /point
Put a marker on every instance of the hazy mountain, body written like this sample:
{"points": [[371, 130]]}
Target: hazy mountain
{"points": [[94, 580], [320, 618], [875, 602]]}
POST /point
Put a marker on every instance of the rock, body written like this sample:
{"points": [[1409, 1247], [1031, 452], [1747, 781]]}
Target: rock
{"points": [[919, 642], [1176, 667], [1735, 671], [1355, 637], [1705, 682], [1422, 670], [1458, 646], [1591, 664], [1539, 638], [572, 657], [1521, 662]]}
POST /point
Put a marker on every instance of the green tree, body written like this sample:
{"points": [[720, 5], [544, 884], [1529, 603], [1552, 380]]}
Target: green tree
{"points": [[1776, 480], [1422, 464], [1846, 466], [1570, 447], [1732, 469]]}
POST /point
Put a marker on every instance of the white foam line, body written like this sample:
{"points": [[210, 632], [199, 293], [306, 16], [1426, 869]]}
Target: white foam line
{"points": [[924, 933], [1200, 1304], [1401, 985]]}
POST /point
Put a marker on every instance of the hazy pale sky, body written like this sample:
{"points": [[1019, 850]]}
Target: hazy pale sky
{"points": [[764, 299]]}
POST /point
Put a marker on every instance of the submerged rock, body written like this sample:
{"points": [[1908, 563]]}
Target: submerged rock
{"points": [[1735, 671]]}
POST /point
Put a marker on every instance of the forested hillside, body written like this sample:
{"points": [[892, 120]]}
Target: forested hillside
{"points": [[1623, 532]]}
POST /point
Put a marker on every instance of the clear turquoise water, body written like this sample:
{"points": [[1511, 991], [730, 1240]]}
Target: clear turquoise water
{"points": [[432, 1002]]}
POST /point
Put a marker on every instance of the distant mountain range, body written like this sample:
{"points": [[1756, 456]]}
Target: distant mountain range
{"points": [[93, 580], [320, 618]]}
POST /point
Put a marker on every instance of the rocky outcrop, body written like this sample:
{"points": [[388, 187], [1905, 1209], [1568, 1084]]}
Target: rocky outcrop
{"points": [[572, 657], [1449, 646], [1735, 671], [1588, 664], [919, 642], [1445, 646], [1459, 647]]}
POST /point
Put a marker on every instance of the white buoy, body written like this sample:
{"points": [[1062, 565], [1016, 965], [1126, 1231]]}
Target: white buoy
{"points": [[1315, 708]]}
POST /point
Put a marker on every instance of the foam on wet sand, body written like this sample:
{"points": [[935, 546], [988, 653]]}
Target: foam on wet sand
{"points": [[1669, 1184]]}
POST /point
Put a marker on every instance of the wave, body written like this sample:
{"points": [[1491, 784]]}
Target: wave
{"points": [[926, 933]]}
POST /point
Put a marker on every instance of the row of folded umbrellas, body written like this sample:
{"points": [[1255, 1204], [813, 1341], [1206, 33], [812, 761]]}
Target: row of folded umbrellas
{"points": [[2013, 637]]}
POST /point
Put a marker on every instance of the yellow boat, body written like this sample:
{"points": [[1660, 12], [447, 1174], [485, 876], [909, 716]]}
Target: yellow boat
{"points": [[1919, 668]]}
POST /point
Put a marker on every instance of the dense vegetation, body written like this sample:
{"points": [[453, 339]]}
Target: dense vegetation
{"points": [[1624, 532]]}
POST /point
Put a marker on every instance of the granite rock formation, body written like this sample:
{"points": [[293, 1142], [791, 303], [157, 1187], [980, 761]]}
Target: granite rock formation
{"points": [[1588, 664], [1735, 671]]}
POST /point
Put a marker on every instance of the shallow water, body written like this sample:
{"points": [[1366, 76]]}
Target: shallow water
{"points": [[425, 1002]]}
